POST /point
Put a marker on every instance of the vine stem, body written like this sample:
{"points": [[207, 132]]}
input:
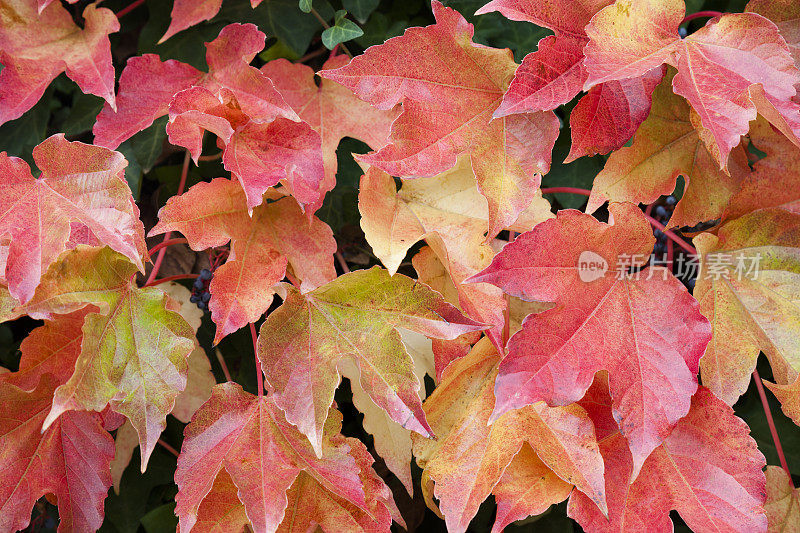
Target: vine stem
{"points": [[165, 243], [701, 14], [259, 377], [167, 447], [171, 278], [224, 366], [342, 262], [125, 10], [771, 424], [181, 185], [326, 26], [212, 157]]}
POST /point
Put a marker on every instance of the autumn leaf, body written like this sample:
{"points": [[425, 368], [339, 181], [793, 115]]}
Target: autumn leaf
{"points": [[748, 288], [447, 112], [554, 74], [126, 441], [789, 396], [708, 469], [81, 197], [37, 43], [133, 352], [331, 110], [783, 502], [356, 317], [735, 66], [199, 382], [450, 214], [221, 509], [553, 446], [786, 15], [278, 234], [643, 328], [249, 437], [69, 459], [665, 146]]}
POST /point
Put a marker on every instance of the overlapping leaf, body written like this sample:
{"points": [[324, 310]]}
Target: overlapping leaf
{"points": [[278, 234], [37, 43], [783, 502], [355, 317], [69, 459], [749, 288], [447, 112], [735, 66], [786, 15], [708, 469], [133, 353], [80, 198], [554, 74], [248, 437], [330, 109], [187, 13], [644, 328], [668, 145], [471, 459], [448, 211]]}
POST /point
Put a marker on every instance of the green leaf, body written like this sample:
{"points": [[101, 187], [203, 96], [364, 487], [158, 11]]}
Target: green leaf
{"points": [[84, 111], [361, 9], [342, 31], [148, 144], [305, 6], [18, 137], [161, 519]]}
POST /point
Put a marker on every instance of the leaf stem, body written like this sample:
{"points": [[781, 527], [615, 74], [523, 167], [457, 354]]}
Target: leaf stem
{"points": [[701, 14], [224, 366], [342, 262], [165, 243], [169, 448], [171, 278], [181, 185], [326, 26], [212, 157], [125, 10], [771, 424], [674, 238], [572, 190], [259, 377]]}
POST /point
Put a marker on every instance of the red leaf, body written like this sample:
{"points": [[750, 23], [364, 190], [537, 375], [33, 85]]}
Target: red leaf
{"points": [[644, 328], [71, 459]]}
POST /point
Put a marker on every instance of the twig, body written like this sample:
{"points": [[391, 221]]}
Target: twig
{"points": [[171, 278], [212, 157], [312, 55], [221, 360], [169, 448], [258, 363], [165, 243], [342, 262], [771, 424], [125, 10], [700, 14]]}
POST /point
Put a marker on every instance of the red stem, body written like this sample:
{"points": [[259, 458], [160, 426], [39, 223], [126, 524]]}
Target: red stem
{"points": [[258, 363], [701, 14], [169, 448], [160, 259], [125, 10], [172, 278], [342, 262], [164, 244], [573, 190], [211, 157], [293, 280], [670, 254], [221, 360], [771, 423]]}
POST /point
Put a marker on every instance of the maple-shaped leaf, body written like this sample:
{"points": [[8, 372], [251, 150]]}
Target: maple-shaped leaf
{"points": [[133, 353], [330, 109], [447, 112], [249, 437], [221, 509], [49, 349], [450, 214], [356, 316], [786, 15], [665, 146], [783, 502], [775, 181], [187, 13], [644, 328], [278, 234], [748, 288], [36, 47], [735, 66], [470, 458], [148, 86], [81, 197], [708, 469], [554, 74], [69, 459]]}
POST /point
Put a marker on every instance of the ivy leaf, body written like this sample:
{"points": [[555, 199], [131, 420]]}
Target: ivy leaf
{"points": [[448, 112], [38, 45], [708, 469], [667, 145], [361, 9], [745, 50], [355, 316], [783, 501], [644, 328], [133, 353], [248, 437], [277, 235], [343, 30], [80, 197], [305, 6], [70, 459], [748, 286], [331, 110], [472, 459]]}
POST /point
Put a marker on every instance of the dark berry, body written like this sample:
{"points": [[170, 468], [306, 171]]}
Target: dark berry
{"points": [[194, 298], [682, 32], [206, 297], [198, 284], [203, 306], [661, 212], [205, 274], [671, 200], [690, 284]]}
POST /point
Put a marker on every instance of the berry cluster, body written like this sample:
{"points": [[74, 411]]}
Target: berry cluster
{"points": [[200, 294], [662, 213]]}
